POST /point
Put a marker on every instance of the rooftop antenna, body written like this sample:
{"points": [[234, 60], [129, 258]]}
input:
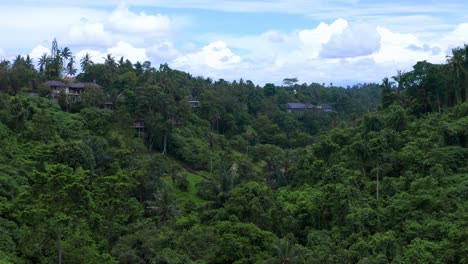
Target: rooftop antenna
{"points": [[54, 48]]}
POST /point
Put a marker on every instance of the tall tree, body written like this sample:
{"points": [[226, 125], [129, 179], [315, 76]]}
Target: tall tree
{"points": [[388, 96], [71, 70], [43, 61], [459, 63], [164, 205], [400, 78], [290, 81], [86, 61]]}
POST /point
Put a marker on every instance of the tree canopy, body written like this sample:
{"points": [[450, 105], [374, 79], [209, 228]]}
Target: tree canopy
{"points": [[159, 166]]}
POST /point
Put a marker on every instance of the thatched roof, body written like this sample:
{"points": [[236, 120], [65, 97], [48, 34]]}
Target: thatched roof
{"points": [[55, 83], [299, 106]]}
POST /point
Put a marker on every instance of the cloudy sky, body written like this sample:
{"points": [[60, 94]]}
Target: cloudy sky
{"points": [[339, 41]]}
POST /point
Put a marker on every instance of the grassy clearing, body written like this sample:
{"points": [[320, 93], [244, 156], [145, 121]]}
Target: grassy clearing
{"points": [[188, 199]]}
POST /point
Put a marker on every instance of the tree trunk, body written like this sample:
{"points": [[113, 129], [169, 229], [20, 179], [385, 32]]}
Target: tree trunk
{"points": [[377, 185], [211, 162], [165, 143], [59, 247], [438, 101]]}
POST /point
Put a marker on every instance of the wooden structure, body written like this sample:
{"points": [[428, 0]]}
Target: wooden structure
{"points": [[139, 126], [71, 90], [302, 107], [299, 107]]}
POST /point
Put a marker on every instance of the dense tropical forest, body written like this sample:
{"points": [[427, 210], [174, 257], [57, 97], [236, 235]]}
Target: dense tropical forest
{"points": [[222, 172]]}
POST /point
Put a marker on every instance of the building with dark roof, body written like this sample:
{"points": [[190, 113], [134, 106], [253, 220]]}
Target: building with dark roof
{"points": [[73, 90], [299, 107]]}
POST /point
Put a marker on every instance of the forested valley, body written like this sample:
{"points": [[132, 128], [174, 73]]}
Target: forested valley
{"points": [[154, 165]]}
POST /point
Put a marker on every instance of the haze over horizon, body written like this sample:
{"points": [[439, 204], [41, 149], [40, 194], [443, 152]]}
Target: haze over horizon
{"points": [[344, 41]]}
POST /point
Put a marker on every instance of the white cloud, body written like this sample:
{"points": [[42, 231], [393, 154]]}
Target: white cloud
{"points": [[357, 50], [124, 21], [163, 52], [96, 55], [38, 51], [275, 36], [360, 52], [120, 24], [399, 50], [313, 39], [124, 49], [321, 9], [86, 33], [457, 37], [215, 55], [353, 41], [28, 25]]}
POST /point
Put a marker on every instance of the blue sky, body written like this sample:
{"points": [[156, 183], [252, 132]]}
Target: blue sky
{"points": [[340, 41]]}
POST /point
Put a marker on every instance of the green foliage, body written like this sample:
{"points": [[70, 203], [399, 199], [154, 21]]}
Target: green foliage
{"points": [[219, 170]]}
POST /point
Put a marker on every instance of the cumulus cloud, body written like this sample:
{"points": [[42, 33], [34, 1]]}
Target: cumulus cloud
{"points": [[26, 25], [96, 55], [402, 51], [123, 20], [38, 51], [120, 24], [124, 49], [313, 39], [361, 52], [275, 36], [163, 52], [455, 38], [425, 47], [353, 41], [86, 33], [215, 55]]}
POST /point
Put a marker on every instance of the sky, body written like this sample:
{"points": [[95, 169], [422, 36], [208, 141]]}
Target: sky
{"points": [[343, 42]]}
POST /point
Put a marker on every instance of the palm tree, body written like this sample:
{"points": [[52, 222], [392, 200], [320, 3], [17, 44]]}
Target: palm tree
{"points": [[400, 78], [164, 204], [387, 93], [71, 70], [226, 182], [29, 62], [458, 61], [43, 61], [5, 63], [121, 61], [285, 252], [109, 61], [86, 61], [138, 68], [18, 60], [66, 53], [55, 67]]}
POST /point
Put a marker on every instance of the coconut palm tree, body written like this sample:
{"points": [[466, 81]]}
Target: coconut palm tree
{"points": [[86, 61], [18, 60], [109, 61], [66, 53], [71, 70], [43, 61], [285, 252], [459, 63], [164, 204], [387, 92], [55, 66], [29, 62]]}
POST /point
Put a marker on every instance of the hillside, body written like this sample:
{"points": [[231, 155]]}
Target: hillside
{"points": [[157, 166]]}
